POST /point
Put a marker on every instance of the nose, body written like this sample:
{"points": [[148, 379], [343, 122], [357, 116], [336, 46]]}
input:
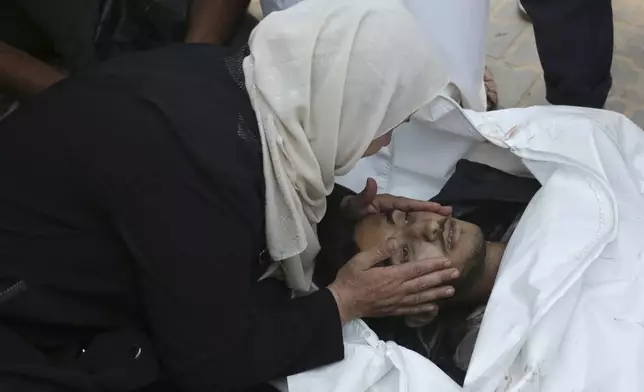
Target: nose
{"points": [[425, 227]]}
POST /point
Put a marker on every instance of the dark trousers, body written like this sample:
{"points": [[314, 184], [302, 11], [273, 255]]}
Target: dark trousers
{"points": [[76, 34], [575, 45]]}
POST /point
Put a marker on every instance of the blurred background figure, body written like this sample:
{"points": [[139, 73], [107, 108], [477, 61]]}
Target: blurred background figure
{"points": [[463, 48], [575, 44], [41, 41]]}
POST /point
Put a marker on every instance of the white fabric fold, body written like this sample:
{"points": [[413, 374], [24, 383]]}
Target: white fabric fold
{"points": [[567, 309]]}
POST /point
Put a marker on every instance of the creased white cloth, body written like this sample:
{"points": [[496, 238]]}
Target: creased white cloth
{"points": [[326, 77], [371, 365], [567, 309]]}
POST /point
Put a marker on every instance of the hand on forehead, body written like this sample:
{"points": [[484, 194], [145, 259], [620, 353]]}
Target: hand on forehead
{"points": [[424, 235]]}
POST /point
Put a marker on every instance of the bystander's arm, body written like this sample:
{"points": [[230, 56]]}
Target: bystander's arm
{"points": [[22, 75], [214, 21]]}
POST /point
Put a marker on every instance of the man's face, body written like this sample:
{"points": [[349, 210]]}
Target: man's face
{"points": [[424, 235]]}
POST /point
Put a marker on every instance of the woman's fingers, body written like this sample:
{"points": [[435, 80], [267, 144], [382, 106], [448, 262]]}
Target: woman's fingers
{"points": [[361, 290], [418, 268], [430, 280], [445, 211], [423, 282], [369, 202], [431, 295], [386, 202], [370, 258], [360, 204], [410, 205]]}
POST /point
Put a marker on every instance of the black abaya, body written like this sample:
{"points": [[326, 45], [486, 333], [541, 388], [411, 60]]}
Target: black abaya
{"points": [[132, 209]]}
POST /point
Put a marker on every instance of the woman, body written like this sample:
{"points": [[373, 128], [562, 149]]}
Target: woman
{"points": [[143, 203]]}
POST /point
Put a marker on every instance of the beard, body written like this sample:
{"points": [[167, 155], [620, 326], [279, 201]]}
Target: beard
{"points": [[474, 267]]}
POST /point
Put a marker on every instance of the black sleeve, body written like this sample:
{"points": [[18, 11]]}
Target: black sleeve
{"points": [[194, 225], [195, 255]]}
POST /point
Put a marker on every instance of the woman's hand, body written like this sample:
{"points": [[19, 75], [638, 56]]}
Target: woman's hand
{"points": [[369, 202], [406, 289]]}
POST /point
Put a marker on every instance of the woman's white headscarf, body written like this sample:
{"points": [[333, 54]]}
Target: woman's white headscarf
{"points": [[326, 77]]}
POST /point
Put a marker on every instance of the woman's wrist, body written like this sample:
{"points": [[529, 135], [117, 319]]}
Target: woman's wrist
{"points": [[344, 309]]}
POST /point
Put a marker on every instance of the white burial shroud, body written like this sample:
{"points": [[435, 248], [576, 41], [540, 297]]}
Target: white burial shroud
{"points": [[567, 309]]}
